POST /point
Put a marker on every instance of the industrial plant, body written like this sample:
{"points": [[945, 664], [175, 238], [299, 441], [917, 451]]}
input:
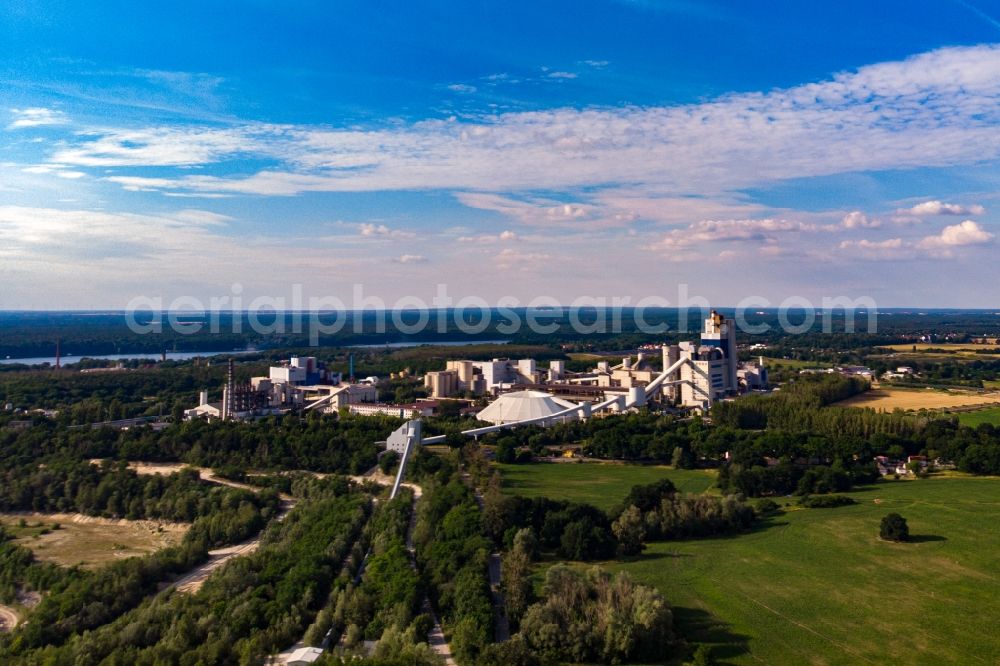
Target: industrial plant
{"points": [[689, 376], [701, 373], [299, 384]]}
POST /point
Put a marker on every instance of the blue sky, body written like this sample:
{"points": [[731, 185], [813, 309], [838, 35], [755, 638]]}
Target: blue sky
{"points": [[601, 149]]}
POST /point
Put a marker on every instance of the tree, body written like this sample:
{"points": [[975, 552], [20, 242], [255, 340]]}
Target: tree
{"points": [[506, 450], [681, 459], [526, 541], [630, 531], [894, 528], [387, 463], [515, 580]]}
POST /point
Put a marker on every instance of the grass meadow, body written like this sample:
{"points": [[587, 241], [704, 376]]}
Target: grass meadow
{"points": [[817, 586], [973, 419], [600, 484]]}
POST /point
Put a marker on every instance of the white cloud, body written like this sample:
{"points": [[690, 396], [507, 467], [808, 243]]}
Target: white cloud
{"points": [[166, 146], [533, 210], [864, 244], [709, 231], [372, 230], [35, 117], [941, 208], [957, 235], [54, 169], [510, 258], [936, 109], [411, 259], [503, 236], [561, 75], [858, 220], [462, 88], [967, 233]]}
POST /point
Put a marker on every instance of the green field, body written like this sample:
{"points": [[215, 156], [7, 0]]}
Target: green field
{"points": [[818, 586], [600, 484], [793, 363], [982, 416]]}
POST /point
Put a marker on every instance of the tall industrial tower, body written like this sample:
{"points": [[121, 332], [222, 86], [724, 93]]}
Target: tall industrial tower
{"points": [[228, 397], [721, 332]]}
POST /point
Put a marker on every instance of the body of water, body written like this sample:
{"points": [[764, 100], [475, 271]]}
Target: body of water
{"points": [[184, 356], [450, 343], [70, 358]]}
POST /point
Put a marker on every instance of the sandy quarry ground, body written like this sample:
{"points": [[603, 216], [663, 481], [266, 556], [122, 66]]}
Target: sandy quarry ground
{"points": [[888, 399], [89, 541]]}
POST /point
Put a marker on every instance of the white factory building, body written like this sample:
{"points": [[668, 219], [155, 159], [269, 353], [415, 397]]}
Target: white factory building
{"points": [[489, 377], [523, 405]]}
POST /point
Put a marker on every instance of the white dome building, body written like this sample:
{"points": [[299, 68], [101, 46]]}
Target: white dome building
{"points": [[522, 405]]}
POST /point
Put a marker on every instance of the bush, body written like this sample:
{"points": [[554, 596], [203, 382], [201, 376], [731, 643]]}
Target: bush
{"points": [[894, 528], [825, 501], [767, 507]]}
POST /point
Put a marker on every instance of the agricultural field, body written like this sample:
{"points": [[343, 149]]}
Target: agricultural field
{"points": [[817, 586], [942, 351], [87, 541], [976, 418], [600, 484], [946, 346], [889, 399]]}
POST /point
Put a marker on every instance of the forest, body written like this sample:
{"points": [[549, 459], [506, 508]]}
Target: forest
{"points": [[256, 605]]}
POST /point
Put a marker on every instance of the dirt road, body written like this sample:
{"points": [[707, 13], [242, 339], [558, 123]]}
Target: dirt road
{"points": [[8, 619], [195, 578]]}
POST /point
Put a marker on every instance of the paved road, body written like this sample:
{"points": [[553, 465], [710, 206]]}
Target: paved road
{"points": [[501, 627]]}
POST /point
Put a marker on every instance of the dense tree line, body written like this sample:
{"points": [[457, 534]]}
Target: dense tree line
{"points": [[786, 478], [21, 571], [344, 444], [959, 372], [656, 511], [112, 490], [570, 530], [100, 396], [452, 554], [390, 589]]}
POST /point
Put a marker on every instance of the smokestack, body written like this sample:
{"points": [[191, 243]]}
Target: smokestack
{"points": [[203, 398], [228, 399], [351, 374]]}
